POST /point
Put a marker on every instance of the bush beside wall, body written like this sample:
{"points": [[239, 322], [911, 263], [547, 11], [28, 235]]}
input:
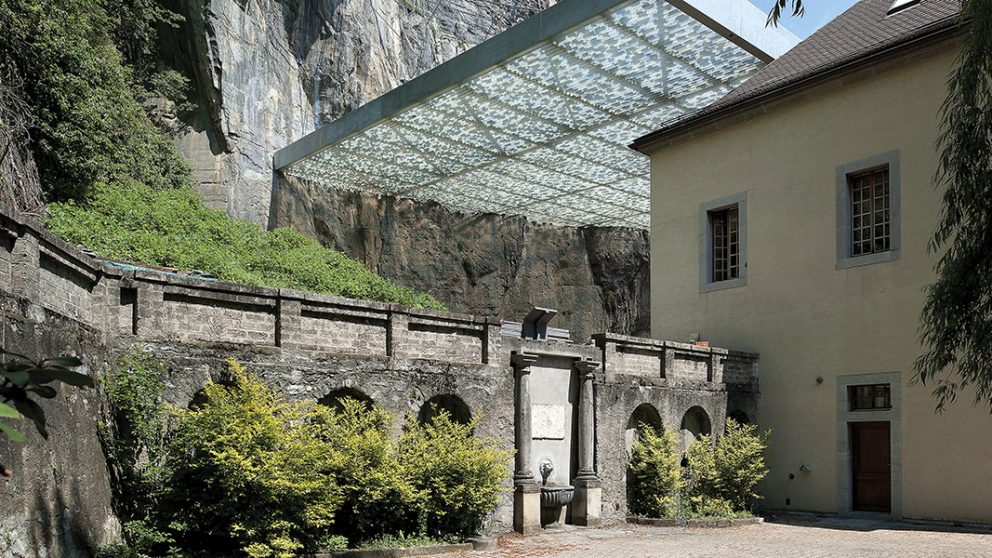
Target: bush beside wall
{"points": [[249, 472], [720, 480]]}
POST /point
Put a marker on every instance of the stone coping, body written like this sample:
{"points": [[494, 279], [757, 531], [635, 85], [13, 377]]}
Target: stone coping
{"points": [[701, 523], [399, 552], [70, 254], [655, 344]]}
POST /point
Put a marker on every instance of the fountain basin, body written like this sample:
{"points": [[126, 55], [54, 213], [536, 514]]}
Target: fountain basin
{"points": [[556, 496]]}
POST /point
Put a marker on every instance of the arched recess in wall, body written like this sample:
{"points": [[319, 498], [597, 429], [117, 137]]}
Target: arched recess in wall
{"points": [[336, 396], [695, 423], [645, 413], [739, 416], [449, 402], [199, 400]]}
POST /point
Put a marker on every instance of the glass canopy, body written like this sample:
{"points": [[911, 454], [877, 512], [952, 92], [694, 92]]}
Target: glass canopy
{"points": [[536, 121]]}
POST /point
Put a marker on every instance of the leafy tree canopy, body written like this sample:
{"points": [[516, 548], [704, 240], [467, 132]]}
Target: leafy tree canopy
{"points": [[88, 121], [957, 315]]}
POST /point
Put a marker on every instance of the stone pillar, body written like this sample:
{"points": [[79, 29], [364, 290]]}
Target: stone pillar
{"points": [[149, 307], [25, 266], [491, 340], [527, 492], [287, 321], [396, 331], [587, 505]]}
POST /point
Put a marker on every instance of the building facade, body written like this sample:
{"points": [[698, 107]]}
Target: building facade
{"points": [[791, 219]]}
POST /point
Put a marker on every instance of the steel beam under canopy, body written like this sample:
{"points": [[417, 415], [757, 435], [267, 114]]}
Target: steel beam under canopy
{"points": [[536, 120]]}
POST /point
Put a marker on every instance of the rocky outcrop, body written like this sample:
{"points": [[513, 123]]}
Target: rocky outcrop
{"points": [[598, 278], [267, 72]]}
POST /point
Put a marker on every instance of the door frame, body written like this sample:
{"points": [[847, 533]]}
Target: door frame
{"points": [[856, 448], [845, 416]]}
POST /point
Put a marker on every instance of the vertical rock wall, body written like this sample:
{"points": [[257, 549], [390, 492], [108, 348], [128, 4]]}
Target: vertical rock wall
{"points": [[598, 278], [267, 72]]}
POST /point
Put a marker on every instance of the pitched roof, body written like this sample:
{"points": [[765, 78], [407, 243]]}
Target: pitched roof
{"points": [[864, 30]]}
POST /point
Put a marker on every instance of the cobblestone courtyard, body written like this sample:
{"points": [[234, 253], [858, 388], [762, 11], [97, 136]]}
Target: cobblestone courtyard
{"points": [[826, 538]]}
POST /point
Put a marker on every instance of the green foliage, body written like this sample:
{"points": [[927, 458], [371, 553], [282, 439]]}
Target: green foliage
{"points": [[134, 442], [956, 328], [740, 463], [400, 540], [458, 475], [775, 15], [724, 476], [377, 497], [175, 228], [721, 478], [654, 477], [250, 471], [134, 26], [117, 550], [89, 125], [22, 380]]}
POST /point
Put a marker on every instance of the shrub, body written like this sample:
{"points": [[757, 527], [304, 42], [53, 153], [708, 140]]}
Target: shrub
{"points": [[133, 440], [377, 499], [90, 126], [398, 541], [458, 475], [740, 463], [703, 480], [175, 228], [723, 476], [654, 476], [250, 472]]}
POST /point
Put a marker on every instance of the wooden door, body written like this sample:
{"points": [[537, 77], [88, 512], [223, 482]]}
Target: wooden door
{"points": [[871, 466]]}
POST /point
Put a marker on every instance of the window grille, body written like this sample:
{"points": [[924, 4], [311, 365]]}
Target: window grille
{"points": [[726, 244], [870, 219], [869, 397]]}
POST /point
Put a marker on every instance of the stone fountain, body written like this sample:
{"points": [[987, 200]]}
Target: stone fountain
{"points": [[554, 498]]}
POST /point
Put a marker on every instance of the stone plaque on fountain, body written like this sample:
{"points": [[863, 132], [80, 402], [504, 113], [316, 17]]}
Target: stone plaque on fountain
{"points": [[548, 422]]}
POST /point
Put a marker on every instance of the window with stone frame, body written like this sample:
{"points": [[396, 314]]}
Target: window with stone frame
{"points": [[870, 205], [725, 249], [869, 397]]}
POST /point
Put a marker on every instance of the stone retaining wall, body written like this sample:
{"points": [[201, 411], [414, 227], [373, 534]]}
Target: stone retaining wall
{"points": [[311, 346]]}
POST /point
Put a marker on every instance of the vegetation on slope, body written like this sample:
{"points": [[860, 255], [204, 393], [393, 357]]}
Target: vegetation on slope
{"points": [[173, 227], [87, 119]]}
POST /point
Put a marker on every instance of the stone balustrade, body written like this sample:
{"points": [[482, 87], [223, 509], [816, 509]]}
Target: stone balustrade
{"points": [[159, 306], [670, 361]]}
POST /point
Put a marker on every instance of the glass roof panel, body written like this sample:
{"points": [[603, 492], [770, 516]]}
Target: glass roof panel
{"points": [[536, 121]]}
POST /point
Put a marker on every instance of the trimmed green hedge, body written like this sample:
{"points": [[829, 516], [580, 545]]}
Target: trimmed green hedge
{"points": [[173, 227]]}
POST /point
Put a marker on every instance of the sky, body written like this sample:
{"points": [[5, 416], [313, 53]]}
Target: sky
{"points": [[818, 13]]}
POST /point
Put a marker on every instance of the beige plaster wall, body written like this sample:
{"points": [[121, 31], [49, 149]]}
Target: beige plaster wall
{"points": [[806, 317]]}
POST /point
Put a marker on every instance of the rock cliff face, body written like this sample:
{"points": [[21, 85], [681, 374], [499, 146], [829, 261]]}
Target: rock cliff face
{"points": [[598, 278], [267, 72]]}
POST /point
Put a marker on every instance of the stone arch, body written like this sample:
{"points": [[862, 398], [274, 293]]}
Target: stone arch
{"points": [[645, 413], [695, 423], [334, 398], [453, 404], [199, 399], [739, 416]]}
